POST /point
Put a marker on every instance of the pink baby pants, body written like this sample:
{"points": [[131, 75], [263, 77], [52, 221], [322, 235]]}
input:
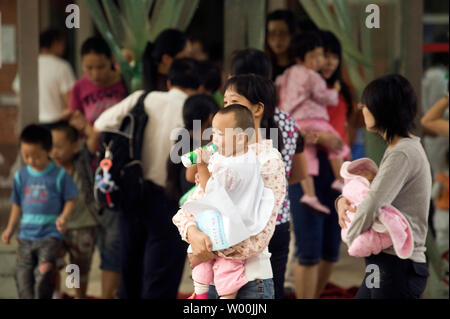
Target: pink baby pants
{"points": [[228, 275]]}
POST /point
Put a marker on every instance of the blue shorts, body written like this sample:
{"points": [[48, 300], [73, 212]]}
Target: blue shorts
{"points": [[316, 237], [108, 240]]}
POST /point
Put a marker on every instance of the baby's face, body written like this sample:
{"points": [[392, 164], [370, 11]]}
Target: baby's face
{"points": [[225, 135], [369, 175]]}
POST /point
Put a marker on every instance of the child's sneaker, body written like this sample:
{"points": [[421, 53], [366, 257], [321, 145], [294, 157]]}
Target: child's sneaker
{"points": [[337, 185], [199, 296], [313, 202]]}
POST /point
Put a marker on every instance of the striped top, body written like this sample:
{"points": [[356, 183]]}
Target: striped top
{"points": [[41, 196]]}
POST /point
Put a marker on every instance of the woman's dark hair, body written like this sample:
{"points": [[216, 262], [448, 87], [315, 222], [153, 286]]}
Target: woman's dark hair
{"points": [[210, 76], [393, 103], [184, 73], [304, 43], [257, 89], [38, 135], [48, 37], [198, 107], [287, 17], [251, 61], [96, 45], [332, 45], [170, 42]]}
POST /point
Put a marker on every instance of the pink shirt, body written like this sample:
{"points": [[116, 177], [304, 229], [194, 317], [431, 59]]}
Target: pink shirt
{"points": [[91, 99], [304, 93]]}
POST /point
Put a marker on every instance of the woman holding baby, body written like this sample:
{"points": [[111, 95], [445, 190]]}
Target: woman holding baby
{"points": [[403, 180]]}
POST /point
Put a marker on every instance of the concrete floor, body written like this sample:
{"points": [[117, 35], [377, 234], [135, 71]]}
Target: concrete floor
{"points": [[348, 272]]}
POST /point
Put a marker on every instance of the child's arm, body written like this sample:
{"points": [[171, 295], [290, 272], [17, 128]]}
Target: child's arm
{"points": [[77, 120], [62, 219], [14, 218], [190, 173], [321, 94], [433, 121]]}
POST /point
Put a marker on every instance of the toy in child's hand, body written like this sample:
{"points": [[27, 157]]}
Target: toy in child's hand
{"points": [[192, 158]]}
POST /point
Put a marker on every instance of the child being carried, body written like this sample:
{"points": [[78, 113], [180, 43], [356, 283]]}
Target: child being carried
{"points": [[390, 228], [235, 204]]}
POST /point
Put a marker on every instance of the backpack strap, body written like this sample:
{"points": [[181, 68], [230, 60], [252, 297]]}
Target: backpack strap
{"points": [[140, 102]]}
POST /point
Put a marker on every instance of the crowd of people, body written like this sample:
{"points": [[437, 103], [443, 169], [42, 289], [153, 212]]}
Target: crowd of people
{"points": [[262, 185]]}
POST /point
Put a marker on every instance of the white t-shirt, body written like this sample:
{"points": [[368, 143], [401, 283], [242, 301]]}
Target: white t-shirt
{"points": [[55, 78], [434, 87], [165, 111]]}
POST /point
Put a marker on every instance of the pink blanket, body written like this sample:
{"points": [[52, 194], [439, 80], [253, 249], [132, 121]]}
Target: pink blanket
{"points": [[390, 229]]}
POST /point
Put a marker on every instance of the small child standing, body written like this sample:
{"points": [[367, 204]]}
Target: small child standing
{"points": [[42, 200], [82, 226], [304, 94], [101, 86], [234, 190]]}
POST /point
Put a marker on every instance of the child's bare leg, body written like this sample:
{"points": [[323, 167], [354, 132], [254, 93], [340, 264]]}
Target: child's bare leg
{"points": [[338, 183], [336, 164], [308, 186]]}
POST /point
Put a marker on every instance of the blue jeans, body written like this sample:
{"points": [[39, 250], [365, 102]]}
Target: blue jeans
{"points": [[256, 289], [317, 236], [33, 282]]}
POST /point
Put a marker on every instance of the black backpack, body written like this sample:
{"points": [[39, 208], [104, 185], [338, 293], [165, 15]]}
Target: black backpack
{"points": [[119, 180]]}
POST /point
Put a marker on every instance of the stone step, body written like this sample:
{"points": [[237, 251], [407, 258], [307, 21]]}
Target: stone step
{"points": [[8, 289]]}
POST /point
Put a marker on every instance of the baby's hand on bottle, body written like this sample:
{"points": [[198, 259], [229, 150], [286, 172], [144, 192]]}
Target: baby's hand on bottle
{"points": [[203, 156]]}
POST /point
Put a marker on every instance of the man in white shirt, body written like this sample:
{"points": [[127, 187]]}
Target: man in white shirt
{"points": [[55, 77], [152, 253]]}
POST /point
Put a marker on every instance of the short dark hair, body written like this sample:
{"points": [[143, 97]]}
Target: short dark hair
{"points": [[70, 131], [96, 45], [48, 37], [242, 116], [249, 61], [393, 103], [37, 134], [198, 107], [184, 73], [304, 43], [210, 76]]}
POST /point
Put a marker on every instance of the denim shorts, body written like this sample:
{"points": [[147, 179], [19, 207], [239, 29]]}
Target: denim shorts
{"points": [[256, 289], [108, 240], [317, 237]]}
